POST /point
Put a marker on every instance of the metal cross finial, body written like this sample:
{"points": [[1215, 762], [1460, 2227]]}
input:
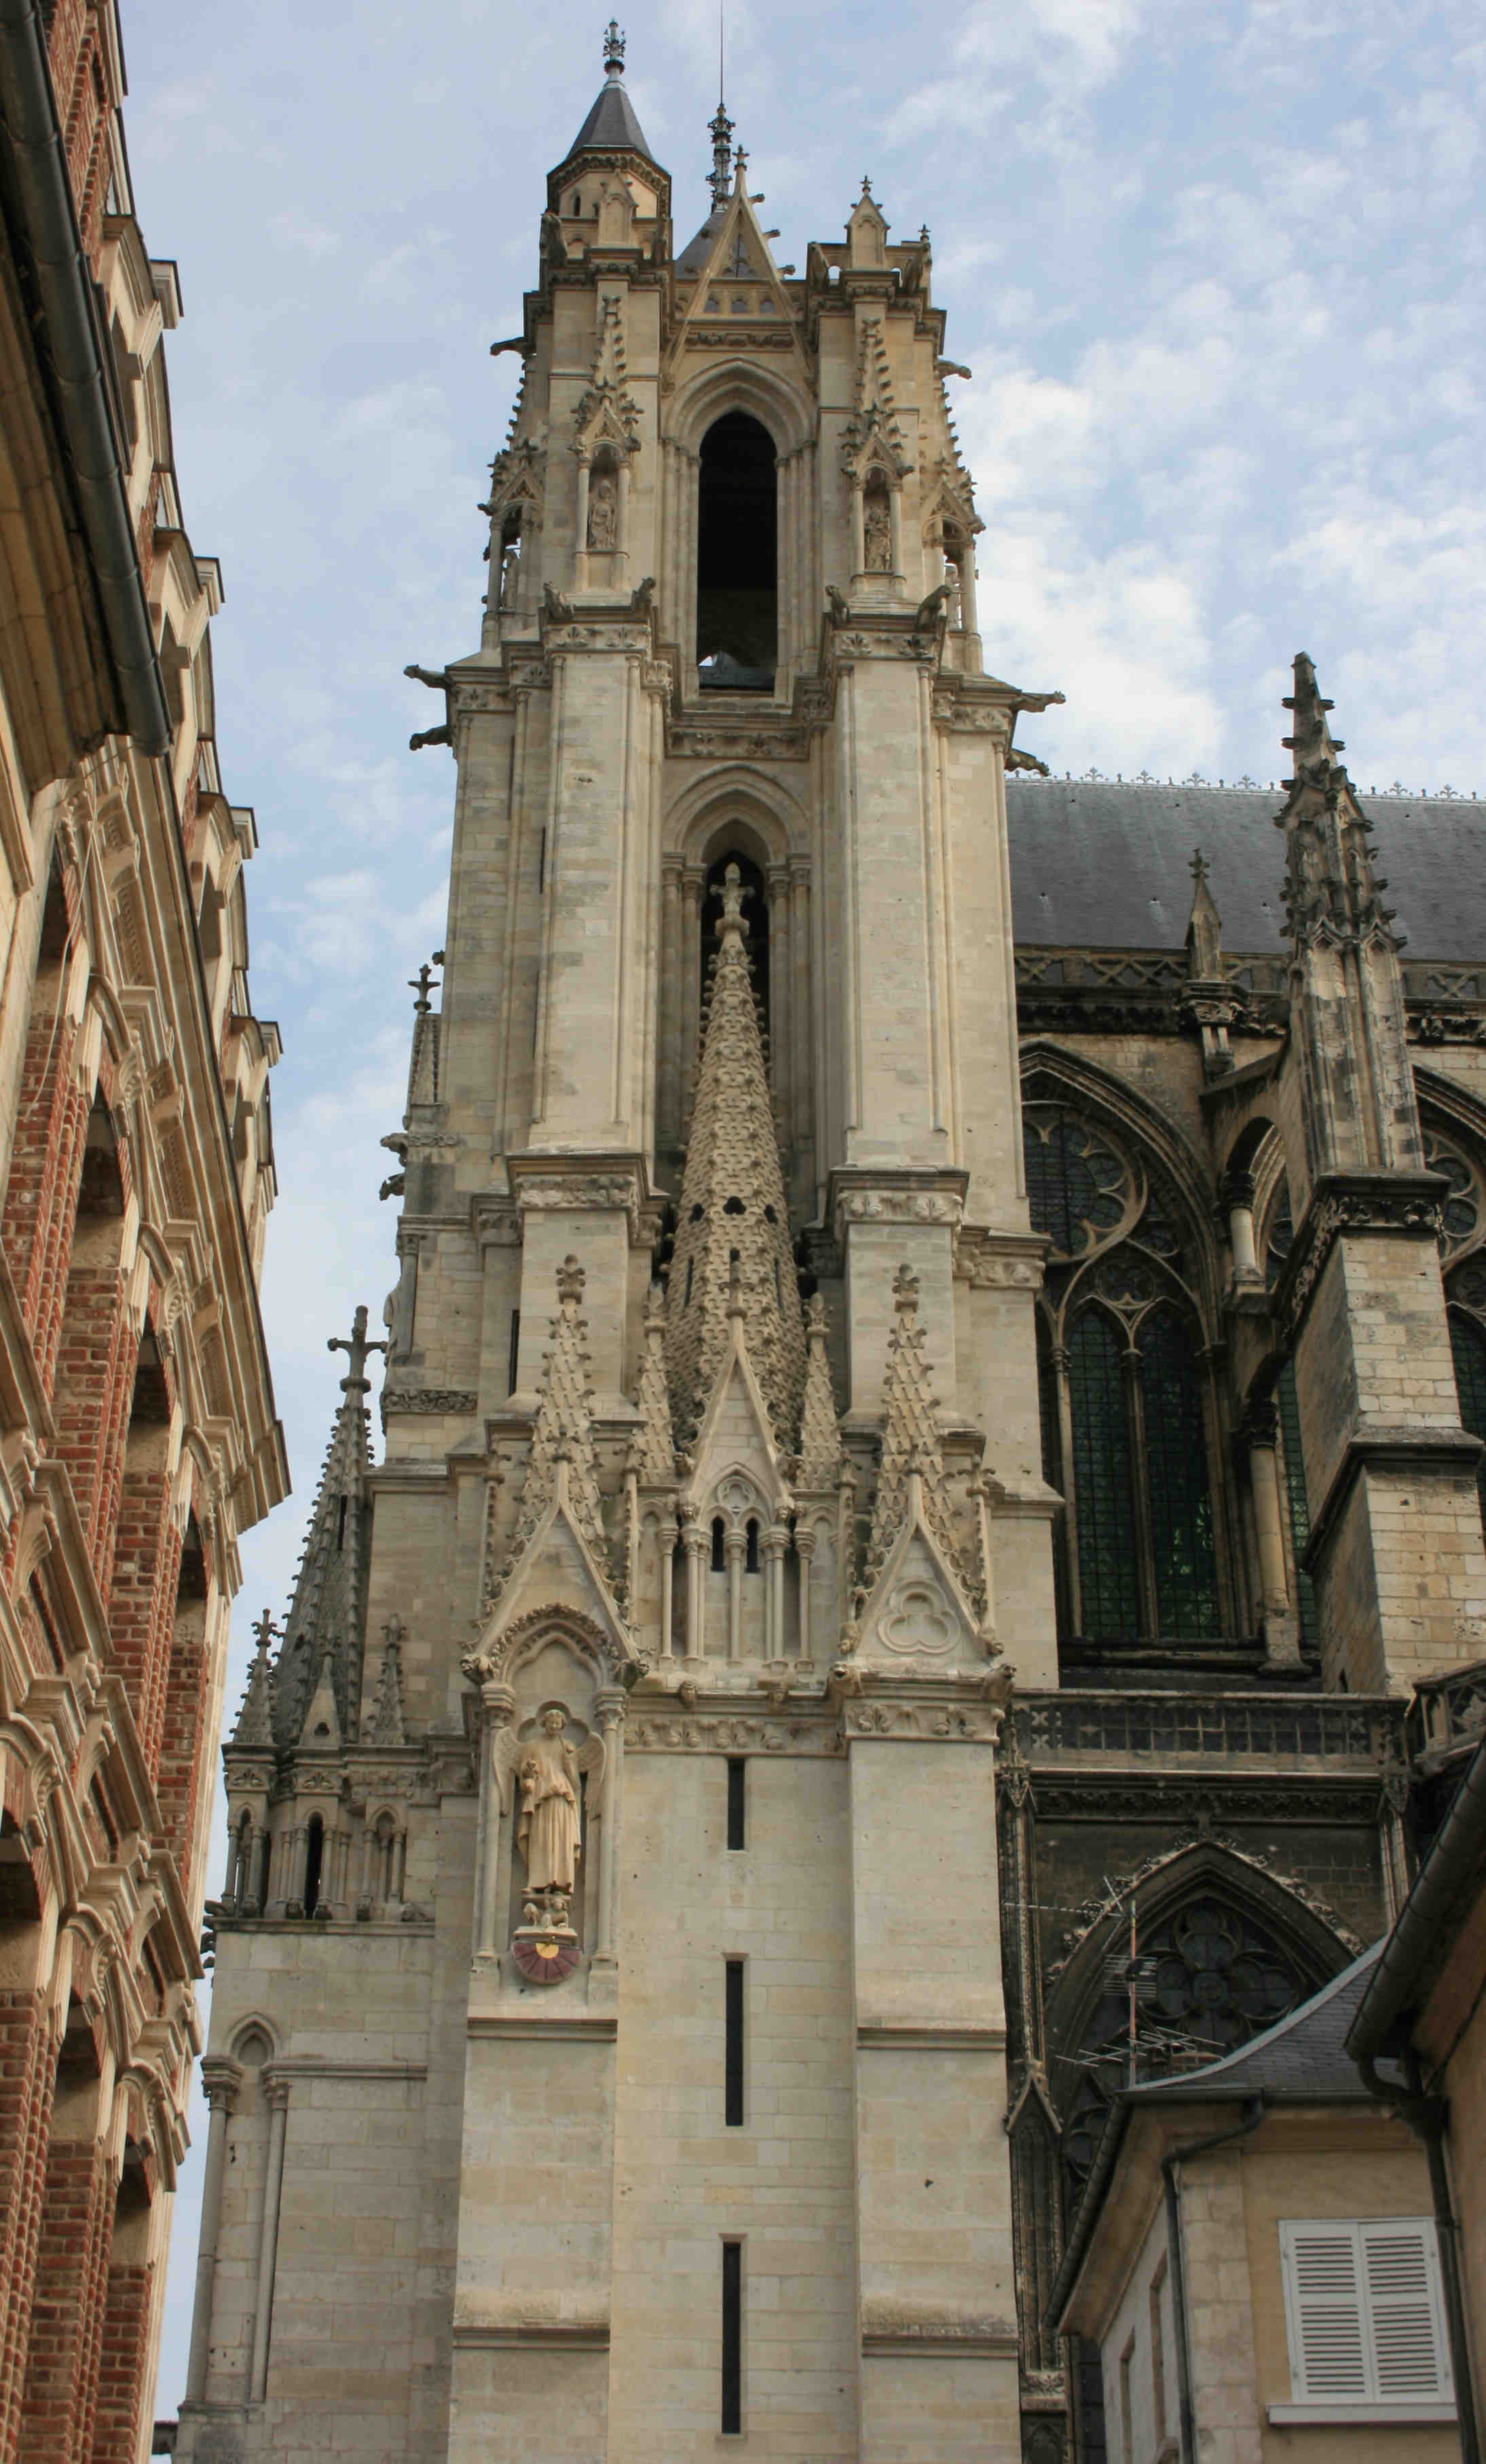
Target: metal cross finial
{"points": [[265, 1631], [614, 49], [358, 1347]]}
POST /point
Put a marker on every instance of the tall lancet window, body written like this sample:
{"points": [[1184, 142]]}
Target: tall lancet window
{"points": [[1121, 1380], [737, 558]]}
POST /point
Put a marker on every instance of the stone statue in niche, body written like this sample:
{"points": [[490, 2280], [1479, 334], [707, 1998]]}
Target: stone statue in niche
{"points": [[510, 570], [877, 531], [954, 606], [547, 1829], [604, 512]]}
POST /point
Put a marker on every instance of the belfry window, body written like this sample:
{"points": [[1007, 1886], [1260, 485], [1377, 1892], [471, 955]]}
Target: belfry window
{"points": [[1124, 1431], [737, 558]]}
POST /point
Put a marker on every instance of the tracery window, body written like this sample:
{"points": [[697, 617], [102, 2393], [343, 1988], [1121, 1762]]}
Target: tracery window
{"points": [[1125, 1417], [1463, 1259]]}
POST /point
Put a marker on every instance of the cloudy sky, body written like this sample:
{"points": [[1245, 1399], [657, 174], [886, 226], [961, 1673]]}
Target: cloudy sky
{"points": [[1216, 266]]}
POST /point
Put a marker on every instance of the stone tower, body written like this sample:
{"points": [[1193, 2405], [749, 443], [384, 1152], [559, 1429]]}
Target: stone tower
{"points": [[635, 1980]]}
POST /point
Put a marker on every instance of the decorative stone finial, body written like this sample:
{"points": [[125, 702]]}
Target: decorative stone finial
{"points": [[905, 1291], [733, 896], [357, 1347], [1198, 868], [570, 1280], [419, 984], [614, 49], [720, 129]]}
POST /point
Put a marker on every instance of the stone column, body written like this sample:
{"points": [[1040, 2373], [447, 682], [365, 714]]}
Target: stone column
{"points": [[1239, 1199], [221, 2079], [671, 1058], [498, 1708], [692, 883], [610, 1706], [695, 1542], [781, 1034], [776, 1540], [801, 1039], [665, 1543], [735, 1547], [278, 2093], [1260, 1434]]}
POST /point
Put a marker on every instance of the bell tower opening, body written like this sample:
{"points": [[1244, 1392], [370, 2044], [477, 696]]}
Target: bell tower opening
{"points": [[737, 558]]}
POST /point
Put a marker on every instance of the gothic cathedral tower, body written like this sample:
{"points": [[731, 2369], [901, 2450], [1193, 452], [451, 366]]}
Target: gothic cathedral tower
{"points": [[608, 2032]]}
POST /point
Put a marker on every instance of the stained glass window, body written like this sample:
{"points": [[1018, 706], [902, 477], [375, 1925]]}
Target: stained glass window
{"points": [[1077, 1186], [1104, 1505], [1289, 1402], [1469, 1345], [1176, 1466]]}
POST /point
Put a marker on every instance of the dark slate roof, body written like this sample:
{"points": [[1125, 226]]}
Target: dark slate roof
{"points": [[694, 254], [1304, 2056], [1097, 865], [612, 126]]}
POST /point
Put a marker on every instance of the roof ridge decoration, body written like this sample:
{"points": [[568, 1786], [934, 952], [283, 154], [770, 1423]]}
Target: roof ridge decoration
{"points": [[1332, 893], [912, 1455], [873, 437], [820, 1440], [656, 1458], [254, 1728], [562, 1457], [732, 1207], [385, 1723], [329, 1610]]}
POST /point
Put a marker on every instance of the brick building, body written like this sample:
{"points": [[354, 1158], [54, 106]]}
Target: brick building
{"points": [[933, 1400], [137, 1435]]}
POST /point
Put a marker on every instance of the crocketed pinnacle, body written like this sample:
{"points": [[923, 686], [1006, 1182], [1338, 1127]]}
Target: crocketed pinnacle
{"points": [[255, 1728], [910, 1439], [328, 1611], [385, 1725], [820, 1446], [1332, 892], [733, 1206], [562, 1432], [656, 1446]]}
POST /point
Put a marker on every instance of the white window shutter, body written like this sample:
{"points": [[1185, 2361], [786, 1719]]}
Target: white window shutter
{"points": [[1323, 2304], [1409, 2348], [1365, 2312]]}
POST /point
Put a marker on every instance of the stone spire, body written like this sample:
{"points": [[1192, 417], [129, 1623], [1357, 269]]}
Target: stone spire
{"points": [[656, 1445], [910, 1442], [820, 1444], [561, 1437], [733, 1206], [254, 1728], [1358, 1104], [1205, 927], [328, 1612]]}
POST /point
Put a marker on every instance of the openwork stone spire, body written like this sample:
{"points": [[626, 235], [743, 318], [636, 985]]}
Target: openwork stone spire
{"points": [[910, 1439], [733, 1206], [820, 1446], [563, 1433], [656, 1456], [328, 1612]]}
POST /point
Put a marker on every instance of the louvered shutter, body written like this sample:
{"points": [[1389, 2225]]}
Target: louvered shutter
{"points": [[1363, 2311], [1324, 2303], [1409, 2351]]}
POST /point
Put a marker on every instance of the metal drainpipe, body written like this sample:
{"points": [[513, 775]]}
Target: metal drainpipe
{"points": [[1253, 2116], [1427, 2116]]}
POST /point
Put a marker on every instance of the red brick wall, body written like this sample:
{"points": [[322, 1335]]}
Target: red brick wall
{"points": [[60, 2392], [26, 2069], [124, 2365]]}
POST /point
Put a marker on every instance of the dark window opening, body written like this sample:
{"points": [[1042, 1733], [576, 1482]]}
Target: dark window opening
{"points": [[542, 862], [691, 1268], [513, 1352], [150, 1404], [100, 1190], [313, 1862], [737, 1802], [1288, 1398], [755, 916], [734, 1206], [751, 1561], [732, 2340], [341, 1525], [1176, 1462], [718, 1539], [510, 573], [1109, 1593], [737, 557], [1469, 1348], [733, 2046]]}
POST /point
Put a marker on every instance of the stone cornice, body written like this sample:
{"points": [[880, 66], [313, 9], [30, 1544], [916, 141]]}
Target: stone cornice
{"points": [[1352, 1204]]}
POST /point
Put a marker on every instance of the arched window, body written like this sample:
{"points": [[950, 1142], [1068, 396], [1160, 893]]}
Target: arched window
{"points": [[313, 1863], [737, 557], [719, 1545], [1124, 1433], [1466, 1293], [751, 1559]]}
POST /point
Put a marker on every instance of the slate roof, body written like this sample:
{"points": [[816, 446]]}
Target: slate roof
{"points": [[1097, 865], [612, 126], [694, 254], [1303, 2056]]}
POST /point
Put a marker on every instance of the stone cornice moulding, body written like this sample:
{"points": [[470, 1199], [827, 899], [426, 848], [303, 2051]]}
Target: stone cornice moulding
{"points": [[1352, 1203], [609, 1182], [868, 1194]]}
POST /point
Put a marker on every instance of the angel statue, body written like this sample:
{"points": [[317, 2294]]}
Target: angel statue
{"points": [[547, 1829]]}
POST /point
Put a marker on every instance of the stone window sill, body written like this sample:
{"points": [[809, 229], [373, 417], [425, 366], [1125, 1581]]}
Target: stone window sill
{"points": [[1308, 2416]]}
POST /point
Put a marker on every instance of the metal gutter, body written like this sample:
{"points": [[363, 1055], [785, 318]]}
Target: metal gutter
{"points": [[73, 348]]}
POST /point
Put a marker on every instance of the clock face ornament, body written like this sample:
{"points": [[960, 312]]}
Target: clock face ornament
{"points": [[545, 1958]]}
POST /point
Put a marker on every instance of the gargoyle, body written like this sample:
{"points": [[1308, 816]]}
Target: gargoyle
{"points": [[931, 610], [430, 735], [840, 605], [558, 608], [1017, 759], [436, 678]]}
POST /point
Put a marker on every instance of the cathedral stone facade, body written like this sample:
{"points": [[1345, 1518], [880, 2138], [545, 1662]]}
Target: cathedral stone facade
{"points": [[928, 1398]]}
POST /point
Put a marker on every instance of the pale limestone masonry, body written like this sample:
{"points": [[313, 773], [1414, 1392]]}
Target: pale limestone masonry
{"points": [[747, 1476]]}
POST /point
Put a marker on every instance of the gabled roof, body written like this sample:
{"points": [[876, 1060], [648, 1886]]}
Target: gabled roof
{"points": [[1102, 865]]}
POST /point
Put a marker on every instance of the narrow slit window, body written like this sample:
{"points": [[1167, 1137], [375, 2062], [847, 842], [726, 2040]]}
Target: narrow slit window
{"points": [[514, 1351], [751, 1561], [733, 2043], [732, 2340], [737, 1802], [719, 1545]]}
